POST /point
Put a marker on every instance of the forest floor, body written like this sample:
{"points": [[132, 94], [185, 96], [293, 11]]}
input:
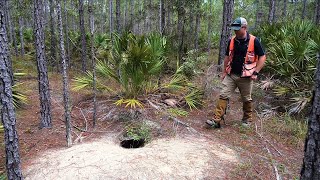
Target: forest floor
{"points": [[184, 149]]}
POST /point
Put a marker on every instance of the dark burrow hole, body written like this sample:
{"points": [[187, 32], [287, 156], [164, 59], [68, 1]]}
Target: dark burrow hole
{"points": [[131, 143]]}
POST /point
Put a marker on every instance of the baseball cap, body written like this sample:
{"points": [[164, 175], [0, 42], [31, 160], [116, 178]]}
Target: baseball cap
{"points": [[238, 23]]}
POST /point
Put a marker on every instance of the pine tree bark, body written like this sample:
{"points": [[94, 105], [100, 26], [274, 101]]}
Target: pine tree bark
{"points": [[111, 17], [168, 23], [181, 21], [91, 19], [311, 162], [317, 14], [196, 42], [12, 28], [162, 17], [272, 10], [225, 31], [303, 15], [44, 90], [21, 25], [132, 14], [66, 20], [64, 77], [83, 37], [209, 27], [8, 118], [125, 14], [53, 40], [258, 14], [284, 12], [118, 16]]}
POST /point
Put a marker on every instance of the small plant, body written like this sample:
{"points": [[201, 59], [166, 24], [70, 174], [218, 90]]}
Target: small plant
{"points": [[138, 130], [288, 129], [178, 112], [133, 103]]}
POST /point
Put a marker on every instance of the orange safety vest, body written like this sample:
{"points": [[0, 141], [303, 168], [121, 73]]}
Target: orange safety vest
{"points": [[250, 62]]}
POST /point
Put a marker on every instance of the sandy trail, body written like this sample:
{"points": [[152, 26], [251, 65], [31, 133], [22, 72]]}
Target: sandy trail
{"points": [[189, 157]]}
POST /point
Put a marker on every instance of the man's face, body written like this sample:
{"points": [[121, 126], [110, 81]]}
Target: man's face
{"points": [[241, 32]]}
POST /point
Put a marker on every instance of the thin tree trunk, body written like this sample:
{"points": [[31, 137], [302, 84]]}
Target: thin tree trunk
{"points": [[12, 29], [303, 15], [91, 18], [111, 17], [181, 20], [311, 162], [66, 102], [317, 14], [209, 27], [125, 14], [150, 16], [225, 32], [7, 21], [118, 16], [83, 37], [132, 14], [258, 14], [21, 37], [161, 16], [66, 33], [53, 40], [168, 23], [73, 21], [272, 10], [191, 24], [139, 17], [44, 90], [294, 9], [196, 42], [284, 12], [8, 117]]}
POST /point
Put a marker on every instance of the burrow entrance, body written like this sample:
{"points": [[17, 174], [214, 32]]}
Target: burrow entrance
{"points": [[132, 143]]}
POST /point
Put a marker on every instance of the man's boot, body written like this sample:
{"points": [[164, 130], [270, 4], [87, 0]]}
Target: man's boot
{"points": [[218, 113], [247, 113]]}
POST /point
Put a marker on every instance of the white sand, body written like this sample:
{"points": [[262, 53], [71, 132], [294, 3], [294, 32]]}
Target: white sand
{"points": [[177, 158]]}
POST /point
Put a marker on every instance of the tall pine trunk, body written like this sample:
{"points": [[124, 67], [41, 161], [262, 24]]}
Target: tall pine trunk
{"points": [[125, 14], [53, 46], [66, 33], [209, 27], [7, 109], [303, 15], [272, 10], [225, 31], [67, 115], [284, 12], [181, 20], [12, 28], [111, 17], [196, 41], [83, 37], [169, 11], [161, 17], [91, 20], [21, 25], [317, 14], [118, 16], [44, 90], [258, 14], [311, 162]]}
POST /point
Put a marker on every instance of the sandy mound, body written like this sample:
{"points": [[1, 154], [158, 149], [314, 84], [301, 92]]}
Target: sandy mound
{"points": [[176, 158]]}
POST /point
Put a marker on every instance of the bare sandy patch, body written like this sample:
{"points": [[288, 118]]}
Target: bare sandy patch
{"points": [[191, 157]]}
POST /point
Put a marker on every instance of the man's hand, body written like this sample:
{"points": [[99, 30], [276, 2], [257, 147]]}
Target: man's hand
{"points": [[254, 77]]}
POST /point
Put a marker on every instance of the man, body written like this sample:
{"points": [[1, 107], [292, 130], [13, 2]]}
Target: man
{"points": [[242, 64]]}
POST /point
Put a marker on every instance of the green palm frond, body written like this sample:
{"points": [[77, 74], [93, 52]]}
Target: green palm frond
{"points": [[194, 99], [18, 97], [86, 81], [279, 90], [133, 103], [299, 103], [178, 82]]}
